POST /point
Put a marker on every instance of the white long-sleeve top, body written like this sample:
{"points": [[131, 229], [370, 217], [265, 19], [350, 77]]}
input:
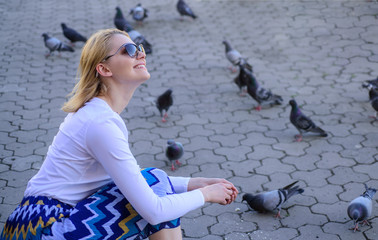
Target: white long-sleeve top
{"points": [[90, 150]]}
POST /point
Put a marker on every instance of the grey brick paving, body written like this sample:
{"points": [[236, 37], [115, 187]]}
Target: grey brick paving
{"points": [[317, 51]]}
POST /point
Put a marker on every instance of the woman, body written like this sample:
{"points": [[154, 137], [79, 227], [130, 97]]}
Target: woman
{"points": [[90, 186]]}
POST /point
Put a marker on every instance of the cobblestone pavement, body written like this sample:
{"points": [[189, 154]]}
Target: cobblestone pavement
{"points": [[316, 51]]}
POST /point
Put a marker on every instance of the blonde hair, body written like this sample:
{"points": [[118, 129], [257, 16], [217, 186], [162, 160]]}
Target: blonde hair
{"points": [[89, 84]]}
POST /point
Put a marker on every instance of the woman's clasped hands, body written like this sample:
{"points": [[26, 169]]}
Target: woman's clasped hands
{"points": [[216, 190]]}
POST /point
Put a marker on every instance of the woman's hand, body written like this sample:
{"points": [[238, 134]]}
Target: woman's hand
{"points": [[217, 190]]}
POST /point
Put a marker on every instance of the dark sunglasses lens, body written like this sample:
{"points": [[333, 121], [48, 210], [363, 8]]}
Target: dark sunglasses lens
{"points": [[141, 48], [131, 50]]}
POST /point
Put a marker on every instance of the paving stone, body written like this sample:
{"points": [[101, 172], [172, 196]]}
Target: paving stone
{"points": [[343, 175], [235, 153], [371, 170], [316, 178], [336, 212], [296, 219], [342, 230], [281, 233], [198, 226], [306, 162], [331, 160], [229, 223], [314, 232], [271, 165], [264, 151], [243, 168]]}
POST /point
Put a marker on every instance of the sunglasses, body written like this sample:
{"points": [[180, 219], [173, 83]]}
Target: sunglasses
{"points": [[130, 48]]}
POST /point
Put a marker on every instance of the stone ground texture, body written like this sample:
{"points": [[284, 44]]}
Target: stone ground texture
{"points": [[316, 51]]}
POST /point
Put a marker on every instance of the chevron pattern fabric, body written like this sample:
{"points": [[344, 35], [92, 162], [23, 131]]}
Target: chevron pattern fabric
{"points": [[104, 215], [33, 217]]}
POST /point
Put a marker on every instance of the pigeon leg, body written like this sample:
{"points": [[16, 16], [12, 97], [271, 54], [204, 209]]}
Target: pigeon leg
{"points": [[178, 163], [243, 92], [233, 69], [373, 116], [164, 117], [355, 228], [365, 222], [258, 108], [298, 138], [278, 215], [173, 167]]}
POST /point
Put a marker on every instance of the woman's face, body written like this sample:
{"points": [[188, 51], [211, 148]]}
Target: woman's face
{"points": [[124, 68]]}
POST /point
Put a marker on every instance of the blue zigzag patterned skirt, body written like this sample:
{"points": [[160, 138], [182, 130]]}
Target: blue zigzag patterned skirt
{"points": [[104, 215]]}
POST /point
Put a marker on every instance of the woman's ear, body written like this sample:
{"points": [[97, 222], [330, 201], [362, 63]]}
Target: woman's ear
{"points": [[102, 70]]}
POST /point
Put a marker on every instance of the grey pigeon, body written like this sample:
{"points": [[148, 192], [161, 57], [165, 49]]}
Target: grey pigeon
{"points": [[139, 13], [54, 44], [303, 123], [370, 83], [72, 34], [261, 95], [184, 9], [138, 38], [235, 57], [373, 97], [174, 152], [272, 200], [163, 103], [120, 21], [360, 208]]}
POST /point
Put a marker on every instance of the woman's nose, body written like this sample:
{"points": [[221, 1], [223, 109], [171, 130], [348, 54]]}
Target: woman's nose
{"points": [[141, 54]]}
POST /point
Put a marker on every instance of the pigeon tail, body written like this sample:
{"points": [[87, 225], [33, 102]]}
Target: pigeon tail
{"points": [[320, 131], [65, 48], [370, 192], [277, 99], [294, 191]]}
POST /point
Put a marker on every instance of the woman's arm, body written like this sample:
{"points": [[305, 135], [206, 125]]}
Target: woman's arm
{"points": [[107, 143]]}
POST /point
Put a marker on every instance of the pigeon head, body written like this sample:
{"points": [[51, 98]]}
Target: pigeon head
{"points": [[119, 12], [45, 36], [64, 26], [247, 197], [170, 142], [168, 92], [293, 103], [228, 47]]}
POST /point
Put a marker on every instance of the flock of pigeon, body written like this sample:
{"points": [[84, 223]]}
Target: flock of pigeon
{"points": [[359, 210]]}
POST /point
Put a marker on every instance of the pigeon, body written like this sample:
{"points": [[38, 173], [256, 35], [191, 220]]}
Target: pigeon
{"points": [[184, 9], [234, 57], [72, 35], [242, 79], [138, 38], [272, 200], [261, 95], [139, 13], [174, 152], [370, 83], [120, 22], [54, 44], [373, 97], [302, 122], [360, 208], [163, 103]]}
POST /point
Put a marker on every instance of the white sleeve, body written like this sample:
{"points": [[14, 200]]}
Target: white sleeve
{"points": [[180, 184], [108, 144]]}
